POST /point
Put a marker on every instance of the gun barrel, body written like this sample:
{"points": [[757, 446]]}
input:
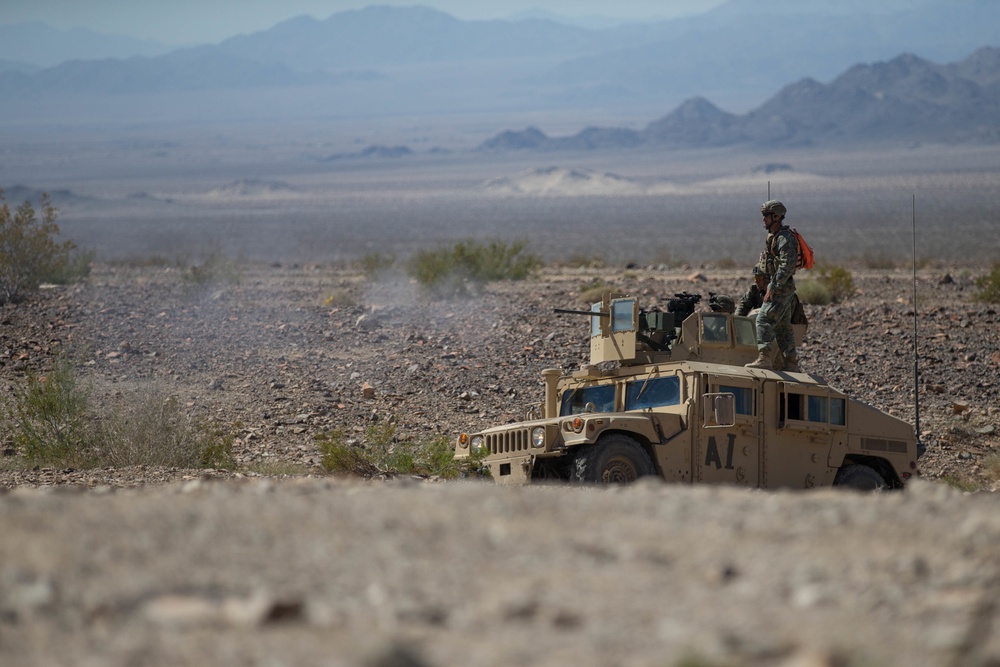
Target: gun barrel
{"points": [[592, 313]]}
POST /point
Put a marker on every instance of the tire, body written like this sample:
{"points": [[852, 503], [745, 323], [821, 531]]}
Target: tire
{"points": [[615, 459], [860, 478]]}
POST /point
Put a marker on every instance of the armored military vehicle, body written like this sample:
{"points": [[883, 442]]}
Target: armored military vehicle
{"points": [[666, 393]]}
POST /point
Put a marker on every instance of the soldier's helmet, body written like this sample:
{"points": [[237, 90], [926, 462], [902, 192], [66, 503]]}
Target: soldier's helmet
{"points": [[721, 303], [773, 206]]}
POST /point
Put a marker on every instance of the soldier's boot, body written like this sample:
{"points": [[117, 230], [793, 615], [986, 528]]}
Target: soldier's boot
{"points": [[792, 364], [763, 360]]}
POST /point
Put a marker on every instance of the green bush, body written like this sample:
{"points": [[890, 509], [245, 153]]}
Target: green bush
{"points": [[449, 271], [376, 264], [75, 269], [832, 284], [813, 292], [989, 286], [839, 281], [29, 254], [50, 420], [384, 453], [215, 269]]}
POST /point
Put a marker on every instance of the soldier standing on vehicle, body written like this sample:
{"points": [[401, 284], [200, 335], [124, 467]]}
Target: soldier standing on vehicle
{"points": [[779, 260]]}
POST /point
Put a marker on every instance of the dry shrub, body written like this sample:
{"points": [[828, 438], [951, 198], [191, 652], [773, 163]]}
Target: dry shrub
{"points": [[991, 467], [151, 429], [340, 299], [989, 286], [52, 420]]}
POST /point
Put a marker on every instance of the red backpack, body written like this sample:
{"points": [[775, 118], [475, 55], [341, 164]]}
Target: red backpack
{"points": [[806, 258]]}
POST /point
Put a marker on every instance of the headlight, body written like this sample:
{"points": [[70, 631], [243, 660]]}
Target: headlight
{"points": [[538, 436], [463, 440], [478, 444]]}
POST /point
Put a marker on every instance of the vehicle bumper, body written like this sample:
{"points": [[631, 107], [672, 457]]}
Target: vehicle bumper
{"points": [[514, 470]]}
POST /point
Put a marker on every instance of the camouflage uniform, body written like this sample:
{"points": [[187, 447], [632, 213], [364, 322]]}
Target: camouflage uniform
{"points": [[781, 254], [753, 298]]}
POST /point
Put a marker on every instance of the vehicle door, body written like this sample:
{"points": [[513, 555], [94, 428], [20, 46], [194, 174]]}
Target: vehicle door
{"points": [[660, 396], [804, 428], [727, 449]]}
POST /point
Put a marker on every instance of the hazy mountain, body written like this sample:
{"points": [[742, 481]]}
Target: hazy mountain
{"points": [[18, 66], [202, 68], [382, 35], [906, 98], [42, 46], [590, 21], [743, 48], [415, 60]]}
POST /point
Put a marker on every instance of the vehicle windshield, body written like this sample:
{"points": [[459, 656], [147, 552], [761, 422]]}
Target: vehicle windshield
{"points": [[652, 392], [575, 401]]}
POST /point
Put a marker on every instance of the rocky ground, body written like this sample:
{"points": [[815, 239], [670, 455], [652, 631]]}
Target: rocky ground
{"points": [[287, 353], [159, 566]]}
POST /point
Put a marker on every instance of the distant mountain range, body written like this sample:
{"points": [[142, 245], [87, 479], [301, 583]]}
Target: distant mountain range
{"points": [[906, 99], [415, 60], [36, 46]]}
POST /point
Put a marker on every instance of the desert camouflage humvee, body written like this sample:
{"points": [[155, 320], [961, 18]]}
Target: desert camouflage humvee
{"points": [[677, 402]]}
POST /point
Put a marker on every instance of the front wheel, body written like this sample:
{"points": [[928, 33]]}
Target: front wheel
{"points": [[859, 477], [616, 459]]}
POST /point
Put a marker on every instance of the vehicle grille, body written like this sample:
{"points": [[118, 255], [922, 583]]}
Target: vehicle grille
{"points": [[882, 445], [508, 441]]}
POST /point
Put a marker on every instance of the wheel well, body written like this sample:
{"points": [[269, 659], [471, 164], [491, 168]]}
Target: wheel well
{"points": [[881, 466], [560, 467], [643, 442]]}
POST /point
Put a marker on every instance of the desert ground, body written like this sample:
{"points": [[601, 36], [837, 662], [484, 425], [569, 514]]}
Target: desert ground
{"points": [[278, 563]]}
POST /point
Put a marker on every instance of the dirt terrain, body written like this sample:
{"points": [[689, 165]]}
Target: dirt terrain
{"points": [[167, 566]]}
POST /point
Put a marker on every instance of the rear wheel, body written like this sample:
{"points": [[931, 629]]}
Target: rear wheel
{"points": [[859, 477], [616, 459]]}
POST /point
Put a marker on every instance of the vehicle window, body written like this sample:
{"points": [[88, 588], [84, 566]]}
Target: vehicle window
{"points": [[838, 411], [640, 394], [744, 331], [818, 409], [621, 315], [574, 401], [744, 398], [714, 328], [794, 407]]}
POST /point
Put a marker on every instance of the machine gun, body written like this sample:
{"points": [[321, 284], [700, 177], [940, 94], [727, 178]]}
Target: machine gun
{"points": [[620, 328], [682, 305]]}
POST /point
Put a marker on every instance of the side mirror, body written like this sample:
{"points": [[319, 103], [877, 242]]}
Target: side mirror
{"points": [[718, 410]]}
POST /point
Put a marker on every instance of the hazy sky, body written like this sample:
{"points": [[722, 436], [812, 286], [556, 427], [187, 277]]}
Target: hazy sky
{"points": [[196, 21]]}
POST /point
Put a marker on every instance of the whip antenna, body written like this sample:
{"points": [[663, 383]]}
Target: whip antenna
{"points": [[916, 354]]}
